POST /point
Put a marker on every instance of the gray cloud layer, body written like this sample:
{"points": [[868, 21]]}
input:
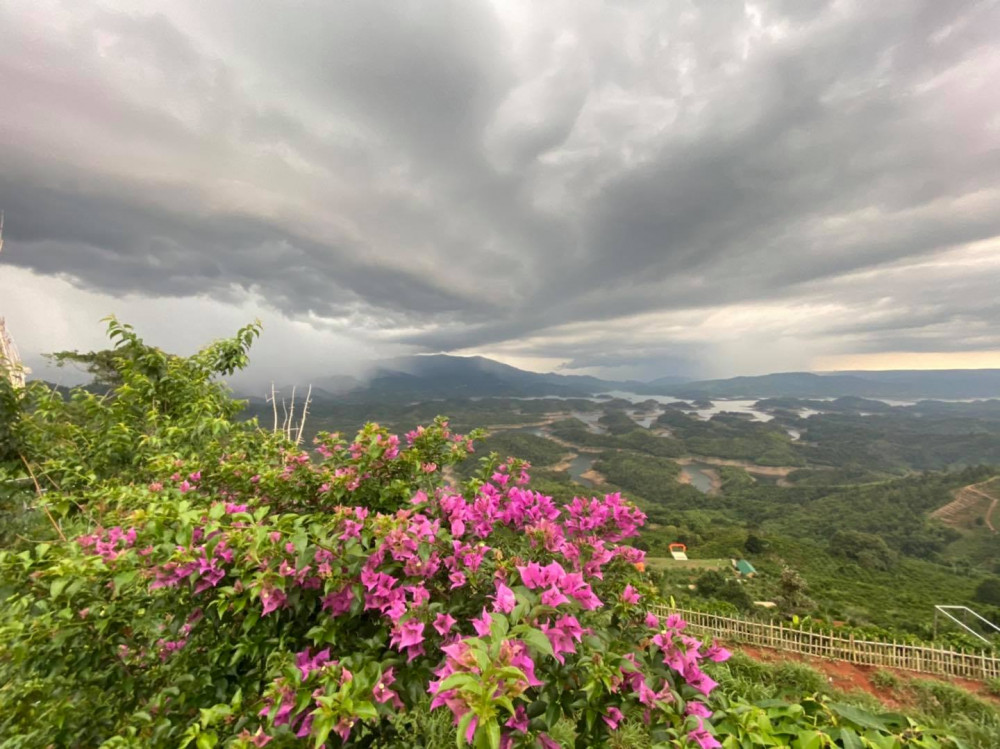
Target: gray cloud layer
{"points": [[622, 183]]}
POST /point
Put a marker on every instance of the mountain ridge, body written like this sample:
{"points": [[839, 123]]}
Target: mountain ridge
{"points": [[436, 376]]}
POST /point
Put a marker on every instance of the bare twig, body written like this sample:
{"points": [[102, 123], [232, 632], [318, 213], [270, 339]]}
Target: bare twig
{"points": [[305, 412], [38, 490], [274, 405], [290, 421]]}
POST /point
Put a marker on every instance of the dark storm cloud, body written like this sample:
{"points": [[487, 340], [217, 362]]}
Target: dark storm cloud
{"points": [[125, 244], [459, 175]]}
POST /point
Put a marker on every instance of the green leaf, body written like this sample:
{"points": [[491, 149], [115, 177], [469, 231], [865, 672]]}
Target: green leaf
{"points": [[492, 731], [499, 626], [457, 681], [850, 739], [366, 711], [207, 740], [537, 640], [124, 578], [810, 740], [552, 714], [858, 716], [58, 586]]}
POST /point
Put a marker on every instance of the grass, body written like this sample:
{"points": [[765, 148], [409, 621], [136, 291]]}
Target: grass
{"points": [[993, 687], [930, 702], [968, 717], [665, 564], [883, 679]]}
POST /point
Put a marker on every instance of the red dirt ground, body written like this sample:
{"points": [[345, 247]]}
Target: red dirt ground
{"points": [[849, 677]]}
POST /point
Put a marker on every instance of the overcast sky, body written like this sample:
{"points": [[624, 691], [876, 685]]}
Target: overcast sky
{"points": [[622, 188]]}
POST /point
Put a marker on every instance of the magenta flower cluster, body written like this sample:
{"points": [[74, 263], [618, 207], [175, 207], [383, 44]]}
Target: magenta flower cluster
{"points": [[433, 577]]}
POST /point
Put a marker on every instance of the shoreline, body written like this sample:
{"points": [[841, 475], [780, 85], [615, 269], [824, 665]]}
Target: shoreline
{"points": [[715, 481]]}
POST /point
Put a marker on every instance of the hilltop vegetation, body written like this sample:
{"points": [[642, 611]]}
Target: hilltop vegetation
{"points": [[182, 577]]}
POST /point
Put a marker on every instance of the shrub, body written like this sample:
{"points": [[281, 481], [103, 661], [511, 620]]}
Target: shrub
{"points": [[993, 687], [883, 679], [988, 591], [223, 587]]}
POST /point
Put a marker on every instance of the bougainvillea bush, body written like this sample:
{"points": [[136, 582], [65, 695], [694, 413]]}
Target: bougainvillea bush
{"points": [[232, 589]]}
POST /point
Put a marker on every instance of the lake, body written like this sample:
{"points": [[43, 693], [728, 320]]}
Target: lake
{"points": [[590, 419], [699, 475], [537, 431], [740, 406], [578, 466]]}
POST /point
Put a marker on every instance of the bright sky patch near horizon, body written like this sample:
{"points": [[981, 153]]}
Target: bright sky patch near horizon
{"points": [[626, 189]]}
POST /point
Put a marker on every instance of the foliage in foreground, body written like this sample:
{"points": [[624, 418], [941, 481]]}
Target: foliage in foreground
{"points": [[192, 580], [251, 592]]}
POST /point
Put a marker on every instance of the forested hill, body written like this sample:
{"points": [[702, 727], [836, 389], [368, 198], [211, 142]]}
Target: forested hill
{"points": [[415, 378], [442, 376]]}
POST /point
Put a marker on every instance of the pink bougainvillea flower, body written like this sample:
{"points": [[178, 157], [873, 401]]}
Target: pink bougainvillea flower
{"points": [[306, 664], [518, 657], [504, 600], [675, 623], [482, 623], [701, 681], [470, 732], [718, 654], [574, 586], [698, 708], [562, 635], [703, 738], [613, 718], [272, 599], [533, 575], [630, 595], [408, 635], [553, 597], [646, 695], [343, 728], [443, 623], [519, 720], [258, 739], [352, 529]]}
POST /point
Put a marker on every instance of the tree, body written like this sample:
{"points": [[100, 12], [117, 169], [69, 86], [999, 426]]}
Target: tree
{"points": [[792, 589], [866, 549], [754, 544], [988, 591], [102, 366], [164, 407]]}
